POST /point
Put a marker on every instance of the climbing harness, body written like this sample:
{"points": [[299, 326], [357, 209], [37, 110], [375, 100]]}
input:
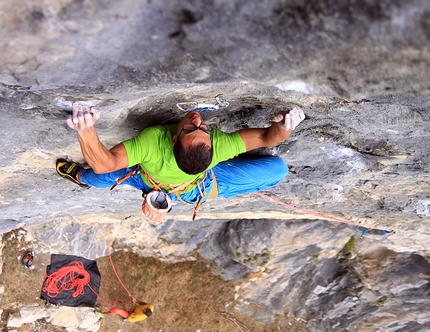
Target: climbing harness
{"points": [[363, 230], [203, 193], [185, 107], [125, 177], [157, 203], [181, 188]]}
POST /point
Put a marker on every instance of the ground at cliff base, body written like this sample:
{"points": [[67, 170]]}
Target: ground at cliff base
{"points": [[187, 296]]}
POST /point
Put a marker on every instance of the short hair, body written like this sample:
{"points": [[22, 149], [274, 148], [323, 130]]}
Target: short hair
{"points": [[193, 160], [147, 311]]}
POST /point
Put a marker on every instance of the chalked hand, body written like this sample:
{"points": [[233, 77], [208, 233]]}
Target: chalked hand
{"points": [[83, 117], [289, 121]]}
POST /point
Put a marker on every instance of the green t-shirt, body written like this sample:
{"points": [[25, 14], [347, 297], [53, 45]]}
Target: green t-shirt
{"points": [[152, 149]]}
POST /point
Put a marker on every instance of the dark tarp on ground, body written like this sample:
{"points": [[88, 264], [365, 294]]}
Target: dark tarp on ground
{"points": [[88, 299]]}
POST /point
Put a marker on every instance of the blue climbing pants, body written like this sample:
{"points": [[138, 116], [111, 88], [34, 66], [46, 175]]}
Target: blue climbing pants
{"points": [[233, 177]]}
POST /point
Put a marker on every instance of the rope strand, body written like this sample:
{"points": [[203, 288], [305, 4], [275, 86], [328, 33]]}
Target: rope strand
{"points": [[304, 210], [113, 267]]}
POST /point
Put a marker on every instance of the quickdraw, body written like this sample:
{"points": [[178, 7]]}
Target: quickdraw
{"points": [[193, 106], [364, 230]]}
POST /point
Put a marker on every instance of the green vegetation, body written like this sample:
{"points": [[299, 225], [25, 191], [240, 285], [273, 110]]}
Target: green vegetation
{"points": [[256, 258], [349, 252]]}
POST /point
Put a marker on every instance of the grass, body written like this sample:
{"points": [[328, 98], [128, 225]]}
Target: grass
{"points": [[349, 253]]}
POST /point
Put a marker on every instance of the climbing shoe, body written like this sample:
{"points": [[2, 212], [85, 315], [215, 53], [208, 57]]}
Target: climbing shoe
{"points": [[69, 171]]}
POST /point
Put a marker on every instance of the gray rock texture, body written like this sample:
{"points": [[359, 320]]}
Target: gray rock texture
{"points": [[322, 273], [359, 69]]}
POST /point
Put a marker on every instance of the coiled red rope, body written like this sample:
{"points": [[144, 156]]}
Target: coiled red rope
{"points": [[74, 275], [67, 278]]}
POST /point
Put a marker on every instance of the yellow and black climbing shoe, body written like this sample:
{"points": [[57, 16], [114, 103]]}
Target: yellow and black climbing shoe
{"points": [[69, 171]]}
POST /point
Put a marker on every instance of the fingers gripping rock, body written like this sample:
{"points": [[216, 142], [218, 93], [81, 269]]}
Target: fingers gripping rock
{"points": [[289, 121], [278, 118], [83, 117], [297, 116], [95, 113], [283, 119]]}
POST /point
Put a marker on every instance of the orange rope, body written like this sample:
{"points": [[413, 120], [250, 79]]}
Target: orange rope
{"points": [[98, 295], [113, 267], [67, 278], [303, 210]]}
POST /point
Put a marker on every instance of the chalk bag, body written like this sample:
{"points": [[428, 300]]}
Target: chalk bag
{"points": [[156, 205]]}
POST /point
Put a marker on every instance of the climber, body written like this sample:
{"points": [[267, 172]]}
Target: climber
{"points": [[185, 162], [136, 313]]}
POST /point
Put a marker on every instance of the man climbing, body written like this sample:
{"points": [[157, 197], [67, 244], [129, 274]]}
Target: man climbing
{"points": [[185, 162]]}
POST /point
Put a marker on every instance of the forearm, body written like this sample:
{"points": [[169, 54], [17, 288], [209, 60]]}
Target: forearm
{"points": [[255, 138], [275, 135], [279, 131], [95, 153]]}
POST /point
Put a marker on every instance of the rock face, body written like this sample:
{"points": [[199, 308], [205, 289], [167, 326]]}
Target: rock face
{"points": [[360, 70], [73, 319], [322, 273]]}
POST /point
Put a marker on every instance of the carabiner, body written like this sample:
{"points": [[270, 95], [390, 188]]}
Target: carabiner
{"points": [[194, 106]]}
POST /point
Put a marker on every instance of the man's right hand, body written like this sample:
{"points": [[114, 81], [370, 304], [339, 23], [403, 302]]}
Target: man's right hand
{"points": [[289, 121], [83, 117]]}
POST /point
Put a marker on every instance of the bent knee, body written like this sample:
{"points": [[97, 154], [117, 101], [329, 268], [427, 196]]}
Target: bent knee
{"points": [[280, 166]]}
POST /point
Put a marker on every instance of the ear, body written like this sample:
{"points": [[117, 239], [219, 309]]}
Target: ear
{"points": [[174, 139]]}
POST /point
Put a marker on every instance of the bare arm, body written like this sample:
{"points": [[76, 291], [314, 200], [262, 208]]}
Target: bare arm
{"points": [[255, 138], [98, 157], [95, 153], [279, 131]]}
